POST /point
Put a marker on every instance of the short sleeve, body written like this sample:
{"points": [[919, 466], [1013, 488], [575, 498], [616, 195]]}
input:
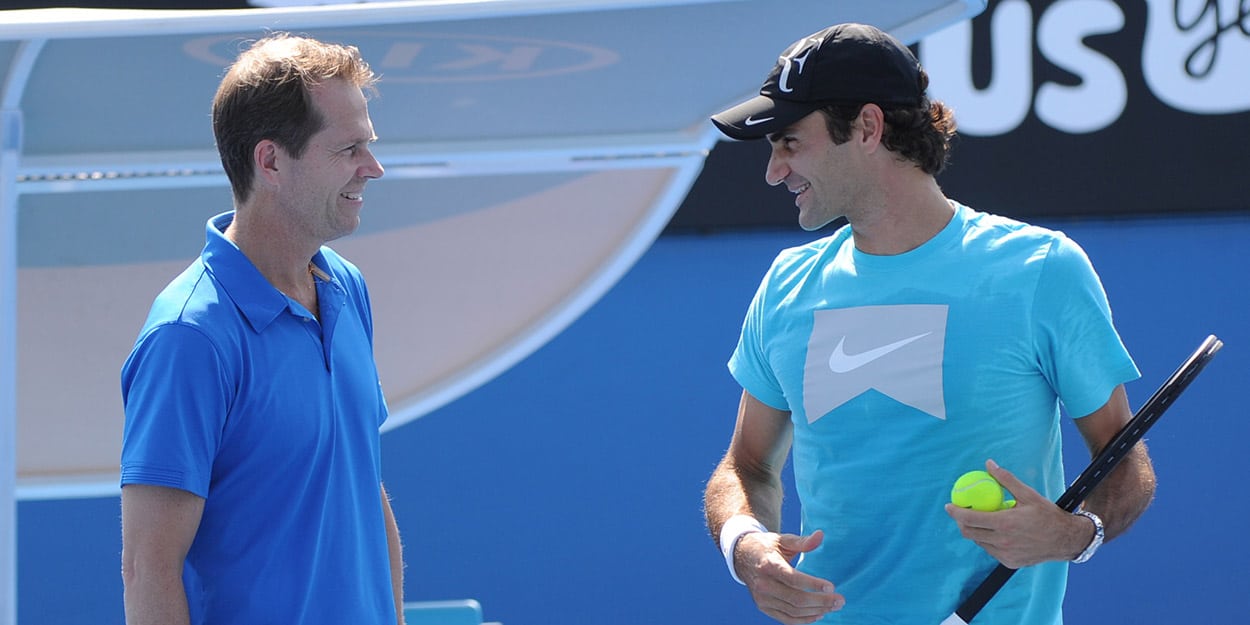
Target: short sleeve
{"points": [[749, 363], [176, 398], [1082, 354]]}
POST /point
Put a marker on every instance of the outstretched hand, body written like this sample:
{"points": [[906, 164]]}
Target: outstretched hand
{"points": [[762, 561], [1035, 530]]}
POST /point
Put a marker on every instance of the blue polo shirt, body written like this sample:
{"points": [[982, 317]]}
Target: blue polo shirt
{"points": [[236, 393]]}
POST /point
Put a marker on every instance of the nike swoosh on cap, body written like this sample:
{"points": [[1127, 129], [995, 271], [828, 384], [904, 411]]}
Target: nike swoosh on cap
{"points": [[841, 362], [750, 121]]}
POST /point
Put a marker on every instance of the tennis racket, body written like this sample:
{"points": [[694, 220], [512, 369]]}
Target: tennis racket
{"points": [[1100, 467]]}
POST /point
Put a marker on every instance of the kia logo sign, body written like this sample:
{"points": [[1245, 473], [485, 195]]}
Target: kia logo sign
{"points": [[439, 57]]}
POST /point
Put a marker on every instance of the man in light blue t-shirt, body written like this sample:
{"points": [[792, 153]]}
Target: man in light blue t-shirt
{"points": [[922, 340], [251, 455]]}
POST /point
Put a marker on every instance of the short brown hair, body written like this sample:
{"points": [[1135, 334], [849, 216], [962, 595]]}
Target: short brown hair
{"points": [[920, 134], [265, 95]]}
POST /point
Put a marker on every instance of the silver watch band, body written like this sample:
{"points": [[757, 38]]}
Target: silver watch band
{"points": [[1095, 542]]}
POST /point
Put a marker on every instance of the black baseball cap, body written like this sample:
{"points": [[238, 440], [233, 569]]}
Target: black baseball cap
{"points": [[845, 63]]}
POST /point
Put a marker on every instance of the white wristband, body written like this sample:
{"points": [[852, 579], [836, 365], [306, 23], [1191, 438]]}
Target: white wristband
{"points": [[734, 529]]}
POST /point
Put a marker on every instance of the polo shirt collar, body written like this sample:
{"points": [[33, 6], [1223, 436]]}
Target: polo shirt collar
{"points": [[257, 299]]}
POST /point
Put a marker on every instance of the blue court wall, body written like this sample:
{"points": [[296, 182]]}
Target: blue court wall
{"points": [[568, 490]]}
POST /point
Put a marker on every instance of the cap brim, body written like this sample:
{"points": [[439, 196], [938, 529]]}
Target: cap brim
{"points": [[761, 116]]}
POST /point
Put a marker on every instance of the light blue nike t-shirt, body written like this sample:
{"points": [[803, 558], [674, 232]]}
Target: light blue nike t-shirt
{"points": [[903, 372]]}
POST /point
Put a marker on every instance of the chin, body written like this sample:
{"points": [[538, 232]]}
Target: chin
{"points": [[344, 229], [811, 221], [812, 226]]}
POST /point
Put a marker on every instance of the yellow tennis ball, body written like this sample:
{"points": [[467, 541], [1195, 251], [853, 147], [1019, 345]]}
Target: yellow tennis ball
{"points": [[977, 490]]}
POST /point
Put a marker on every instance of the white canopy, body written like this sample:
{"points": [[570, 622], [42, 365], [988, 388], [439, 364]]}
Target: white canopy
{"points": [[534, 150]]}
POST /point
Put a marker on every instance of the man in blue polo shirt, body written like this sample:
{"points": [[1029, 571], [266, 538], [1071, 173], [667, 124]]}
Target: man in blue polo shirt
{"points": [[251, 470]]}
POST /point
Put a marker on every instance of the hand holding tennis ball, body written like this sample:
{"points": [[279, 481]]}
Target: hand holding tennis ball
{"points": [[979, 490]]}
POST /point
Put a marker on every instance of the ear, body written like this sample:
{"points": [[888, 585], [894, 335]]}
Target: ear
{"points": [[265, 158], [871, 124]]}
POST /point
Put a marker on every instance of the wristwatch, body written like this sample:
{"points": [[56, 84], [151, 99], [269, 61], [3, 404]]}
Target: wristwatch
{"points": [[1096, 542]]}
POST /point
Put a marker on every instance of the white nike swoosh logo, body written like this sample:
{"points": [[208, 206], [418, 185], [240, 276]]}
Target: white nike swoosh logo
{"points": [[752, 122], [841, 362]]}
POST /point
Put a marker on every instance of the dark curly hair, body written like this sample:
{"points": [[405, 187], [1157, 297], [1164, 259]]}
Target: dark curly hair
{"points": [[921, 134]]}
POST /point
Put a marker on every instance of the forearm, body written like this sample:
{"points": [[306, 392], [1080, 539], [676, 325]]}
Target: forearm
{"points": [[396, 552], [154, 599], [733, 489], [1125, 493]]}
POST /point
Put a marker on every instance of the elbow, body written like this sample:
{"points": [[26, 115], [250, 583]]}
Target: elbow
{"points": [[140, 572], [129, 568]]}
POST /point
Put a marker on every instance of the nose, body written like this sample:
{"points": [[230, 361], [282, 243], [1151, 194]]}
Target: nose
{"points": [[777, 169], [371, 168]]}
